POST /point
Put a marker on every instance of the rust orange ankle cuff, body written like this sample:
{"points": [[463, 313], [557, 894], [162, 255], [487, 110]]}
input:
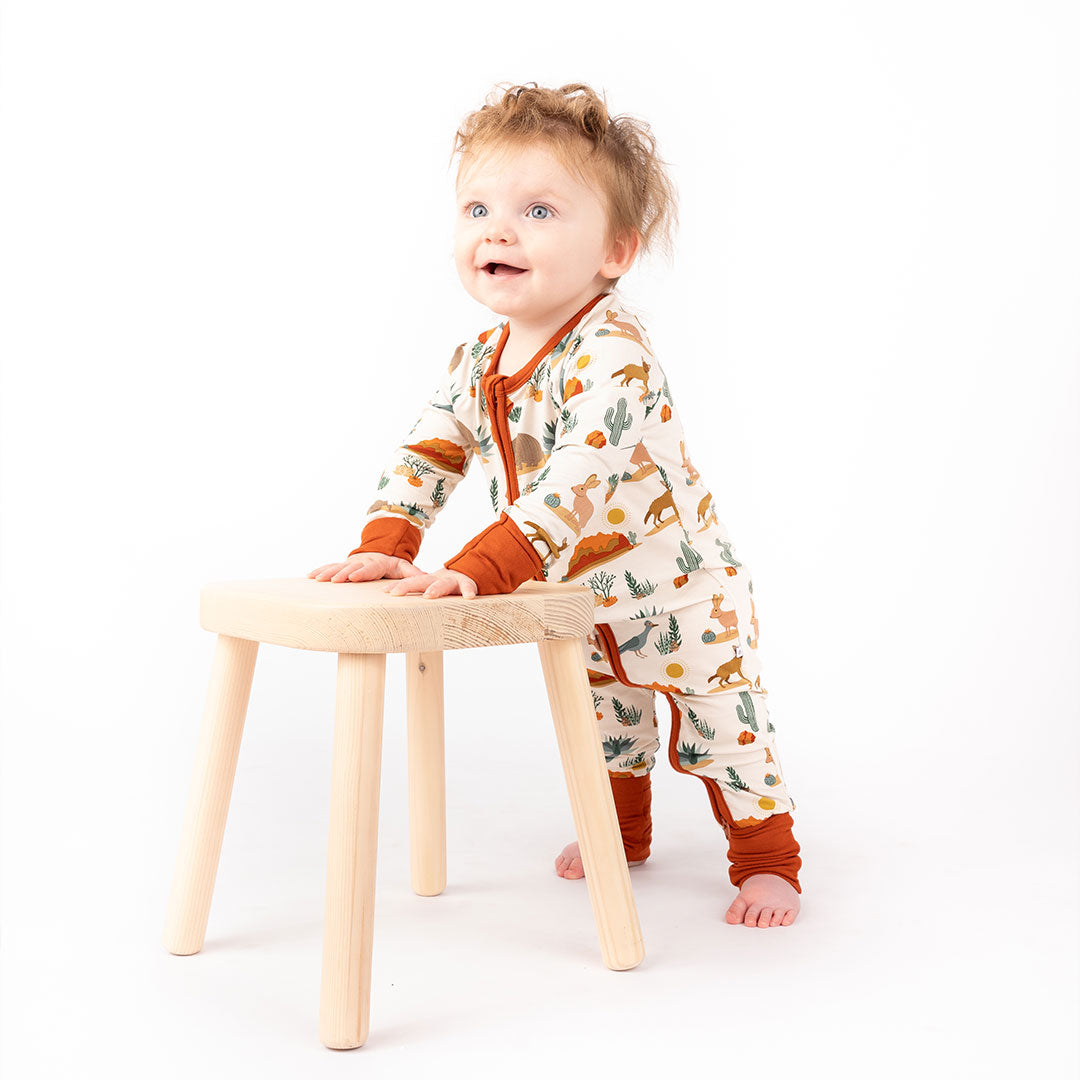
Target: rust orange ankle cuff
{"points": [[633, 804]]}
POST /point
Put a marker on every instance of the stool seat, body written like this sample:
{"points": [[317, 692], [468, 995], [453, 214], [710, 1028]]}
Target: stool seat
{"points": [[359, 617], [359, 622]]}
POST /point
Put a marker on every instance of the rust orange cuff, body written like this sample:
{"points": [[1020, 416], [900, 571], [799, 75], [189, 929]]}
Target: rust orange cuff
{"points": [[390, 536], [633, 804], [768, 848], [499, 559]]}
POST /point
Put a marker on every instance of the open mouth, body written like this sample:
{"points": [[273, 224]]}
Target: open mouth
{"points": [[497, 269]]}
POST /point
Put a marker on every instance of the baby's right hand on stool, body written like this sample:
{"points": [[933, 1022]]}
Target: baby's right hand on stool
{"points": [[367, 566]]}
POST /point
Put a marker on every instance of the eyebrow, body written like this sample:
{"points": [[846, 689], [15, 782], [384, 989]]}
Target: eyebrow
{"points": [[548, 193]]}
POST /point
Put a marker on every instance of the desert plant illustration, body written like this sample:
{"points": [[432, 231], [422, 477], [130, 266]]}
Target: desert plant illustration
{"points": [[669, 642], [414, 469], [628, 717], [700, 726], [726, 554], [690, 560], [736, 781], [692, 756], [483, 441], [601, 584], [745, 711], [617, 420], [638, 591], [438, 492], [537, 481], [617, 745], [493, 493]]}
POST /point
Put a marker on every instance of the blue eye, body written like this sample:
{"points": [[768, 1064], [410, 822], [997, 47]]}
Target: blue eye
{"points": [[470, 207]]}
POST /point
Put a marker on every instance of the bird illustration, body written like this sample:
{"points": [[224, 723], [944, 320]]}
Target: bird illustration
{"points": [[638, 641]]}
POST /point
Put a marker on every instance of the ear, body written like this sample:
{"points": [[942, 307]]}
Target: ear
{"points": [[622, 255]]}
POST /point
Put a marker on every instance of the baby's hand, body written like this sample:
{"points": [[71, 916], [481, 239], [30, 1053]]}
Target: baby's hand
{"points": [[442, 583], [367, 566]]}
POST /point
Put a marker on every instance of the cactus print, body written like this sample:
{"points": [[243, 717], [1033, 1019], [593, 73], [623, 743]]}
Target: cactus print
{"points": [[720, 729]]}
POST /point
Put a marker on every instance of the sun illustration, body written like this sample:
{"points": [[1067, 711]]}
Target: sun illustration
{"points": [[616, 515], [674, 670]]}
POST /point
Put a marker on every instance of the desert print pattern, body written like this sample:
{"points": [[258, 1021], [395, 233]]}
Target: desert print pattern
{"points": [[704, 659], [590, 477], [604, 488]]}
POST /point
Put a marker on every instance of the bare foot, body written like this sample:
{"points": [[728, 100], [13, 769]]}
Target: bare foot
{"points": [[569, 864], [764, 900]]}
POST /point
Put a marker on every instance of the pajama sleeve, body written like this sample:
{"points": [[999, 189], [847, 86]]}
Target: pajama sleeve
{"points": [[600, 397], [422, 472]]}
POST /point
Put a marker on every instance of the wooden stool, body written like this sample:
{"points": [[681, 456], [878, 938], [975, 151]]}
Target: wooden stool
{"points": [[359, 622]]}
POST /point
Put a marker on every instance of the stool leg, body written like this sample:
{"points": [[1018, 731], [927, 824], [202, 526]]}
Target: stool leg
{"points": [[427, 772], [350, 864], [209, 794], [592, 803]]}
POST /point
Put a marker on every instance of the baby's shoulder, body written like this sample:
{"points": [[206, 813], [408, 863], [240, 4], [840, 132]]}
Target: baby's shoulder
{"points": [[611, 342]]}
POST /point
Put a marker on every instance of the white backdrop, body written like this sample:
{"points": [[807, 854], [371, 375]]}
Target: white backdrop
{"points": [[227, 288]]}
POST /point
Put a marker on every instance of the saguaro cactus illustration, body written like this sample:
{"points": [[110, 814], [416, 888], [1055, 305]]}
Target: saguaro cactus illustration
{"points": [[746, 710], [691, 559], [616, 421]]}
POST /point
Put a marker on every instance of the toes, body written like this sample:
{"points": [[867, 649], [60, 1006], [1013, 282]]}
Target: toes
{"points": [[736, 911], [752, 914], [789, 918], [765, 916], [778, 917]]}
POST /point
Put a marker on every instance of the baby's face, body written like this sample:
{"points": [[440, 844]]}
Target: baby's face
{"points": [[524, 209]]}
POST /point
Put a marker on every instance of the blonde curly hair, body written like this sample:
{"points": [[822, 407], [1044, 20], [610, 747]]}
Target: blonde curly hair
{"points": [[616, 155]]}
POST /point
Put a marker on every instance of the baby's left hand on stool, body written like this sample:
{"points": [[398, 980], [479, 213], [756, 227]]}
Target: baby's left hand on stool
{"points": [[442, 583]]}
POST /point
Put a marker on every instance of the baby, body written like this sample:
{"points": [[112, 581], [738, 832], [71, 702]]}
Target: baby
{"points": [[568, 409]]}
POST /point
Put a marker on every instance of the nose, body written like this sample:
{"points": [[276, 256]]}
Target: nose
{"points": [[496, 229]]}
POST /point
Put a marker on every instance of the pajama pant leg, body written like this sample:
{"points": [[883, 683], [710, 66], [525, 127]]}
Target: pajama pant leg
{"points": [[703, 658], [626, 717]]}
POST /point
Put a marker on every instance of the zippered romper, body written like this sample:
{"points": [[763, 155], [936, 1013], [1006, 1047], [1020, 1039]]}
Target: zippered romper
{"points": [[589, 472]]}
